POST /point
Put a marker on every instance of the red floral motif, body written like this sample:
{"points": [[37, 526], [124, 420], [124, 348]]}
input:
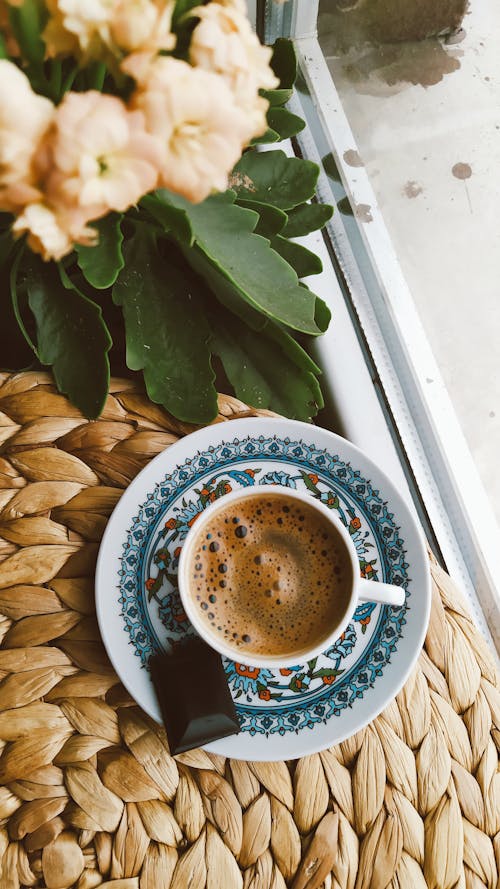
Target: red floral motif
{"points": [[314, 478], [250, 472], [149, 583], [265, 694], [171, 524], [250, 672], [212, 496], [180, 618], [205, 492], [192, 521], [328, 680], [355, 523], [177, 552], [285, 672], [227, 488], [365, 620]]}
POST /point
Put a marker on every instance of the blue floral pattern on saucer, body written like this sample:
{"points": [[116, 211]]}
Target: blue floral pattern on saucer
{"points": [[279, 700]]}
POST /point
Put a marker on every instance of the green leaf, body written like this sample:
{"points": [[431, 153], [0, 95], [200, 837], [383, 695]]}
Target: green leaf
{"points": [[15, 351], [256, 273], [291, 348], [270, 177], [300, 258], [261, 371], [71, 335], [322, 315], [166, 330], [3, 48], [266, 138], [171, 218], [27, 22], [284, 62], [327, 671], [101, 264], [284, 122], [271, 219], [277, 97], [306, 218], [309, 483]]}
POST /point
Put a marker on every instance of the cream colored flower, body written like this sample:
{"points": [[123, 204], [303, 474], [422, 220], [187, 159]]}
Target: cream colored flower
{"points": [[223, 41], [103, 29], [45, 233], [194, 114], [143, 25], [24, 119], [81, 27], [99, 156]]}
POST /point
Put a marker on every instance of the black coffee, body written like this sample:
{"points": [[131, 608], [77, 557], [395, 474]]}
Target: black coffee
{"points": [[270, 575]]}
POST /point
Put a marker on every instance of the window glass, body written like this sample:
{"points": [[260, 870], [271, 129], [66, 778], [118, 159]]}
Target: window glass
{"points": [[420, 86]]}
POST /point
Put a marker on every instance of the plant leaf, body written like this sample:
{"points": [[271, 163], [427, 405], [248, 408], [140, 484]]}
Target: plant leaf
{"points": [[284, 62], [322, 315], [277, 97], [170, 217], [270, 177], [306, 218], [300, 258], [266, 138], [271, 219], [259, 367], [255, 273], [284, 122], [101, 264], [166, 330], [15, 351], [71, 335]]}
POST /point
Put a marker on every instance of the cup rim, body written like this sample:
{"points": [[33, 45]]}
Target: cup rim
{"points": [[228, 651]]}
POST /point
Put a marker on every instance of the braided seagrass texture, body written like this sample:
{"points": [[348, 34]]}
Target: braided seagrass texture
{"points": [[89, 794]]}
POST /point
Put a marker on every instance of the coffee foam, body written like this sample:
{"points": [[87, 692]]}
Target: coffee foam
{"points": [[270, 575]]}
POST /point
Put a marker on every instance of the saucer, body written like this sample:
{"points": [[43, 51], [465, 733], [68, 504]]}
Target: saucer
{"points": [[288, 712]]}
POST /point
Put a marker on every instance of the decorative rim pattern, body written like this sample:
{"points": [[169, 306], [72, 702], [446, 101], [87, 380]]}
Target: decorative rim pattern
{"points": [[268, 702]]}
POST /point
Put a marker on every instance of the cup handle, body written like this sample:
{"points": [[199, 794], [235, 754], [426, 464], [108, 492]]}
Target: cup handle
{"points": [[385, 593]]}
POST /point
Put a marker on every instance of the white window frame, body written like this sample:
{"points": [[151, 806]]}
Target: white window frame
{"points": [[421, 434]]}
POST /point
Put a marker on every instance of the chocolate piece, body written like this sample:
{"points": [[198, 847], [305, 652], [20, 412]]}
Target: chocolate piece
{"points": [[194, 696]]}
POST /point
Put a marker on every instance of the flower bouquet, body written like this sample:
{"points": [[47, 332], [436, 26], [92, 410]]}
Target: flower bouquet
{"points": [[134, 198]]}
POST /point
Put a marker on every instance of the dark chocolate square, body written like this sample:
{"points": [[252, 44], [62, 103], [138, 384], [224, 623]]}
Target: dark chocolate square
{"points": [[194, 697]]}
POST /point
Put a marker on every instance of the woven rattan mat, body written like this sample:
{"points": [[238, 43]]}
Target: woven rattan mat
{"points": [[89, 795]]}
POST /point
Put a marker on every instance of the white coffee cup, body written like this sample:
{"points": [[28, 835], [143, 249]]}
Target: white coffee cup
{"points": [[361, 590]]}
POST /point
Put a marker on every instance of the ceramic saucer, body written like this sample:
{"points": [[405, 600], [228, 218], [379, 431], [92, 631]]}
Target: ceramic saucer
{"points": [[289, 712]]}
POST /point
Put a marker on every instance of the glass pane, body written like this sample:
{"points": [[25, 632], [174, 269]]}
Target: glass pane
{"points": [[424, 111]]}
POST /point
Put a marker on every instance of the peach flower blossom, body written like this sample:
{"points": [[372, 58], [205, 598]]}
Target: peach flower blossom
{"points": [[223, 41], [24, 119], [45, 232], [143, 25], [99, 155], [194, 114], [79, 27], [101, 29]]}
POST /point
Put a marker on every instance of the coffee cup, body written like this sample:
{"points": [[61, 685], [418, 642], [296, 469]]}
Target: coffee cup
{"points": [[269, 576]]}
